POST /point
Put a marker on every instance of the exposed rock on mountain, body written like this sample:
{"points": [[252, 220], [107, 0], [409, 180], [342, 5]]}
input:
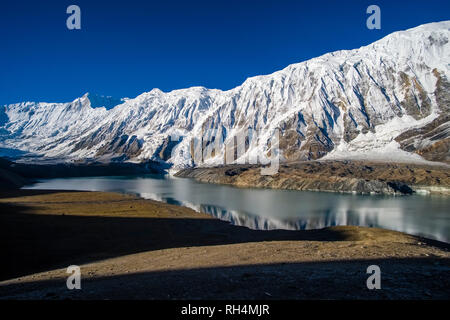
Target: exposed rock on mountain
{"points": [[387, 101]]}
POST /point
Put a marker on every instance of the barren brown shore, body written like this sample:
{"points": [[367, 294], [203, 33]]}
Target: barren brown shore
{"points": [[347, 176], [131, 248]]}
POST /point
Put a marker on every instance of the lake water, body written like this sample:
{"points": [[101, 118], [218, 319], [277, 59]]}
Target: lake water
{"points": [[267, 209]]}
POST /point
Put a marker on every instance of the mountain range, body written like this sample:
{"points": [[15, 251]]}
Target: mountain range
{"points": [[387, 101]]}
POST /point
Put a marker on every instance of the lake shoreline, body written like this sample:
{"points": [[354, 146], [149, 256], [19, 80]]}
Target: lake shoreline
{"points": [[164, 251], [342, 176]]}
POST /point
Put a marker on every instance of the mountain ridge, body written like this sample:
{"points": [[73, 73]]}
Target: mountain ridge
{"points": [[389, 100]]}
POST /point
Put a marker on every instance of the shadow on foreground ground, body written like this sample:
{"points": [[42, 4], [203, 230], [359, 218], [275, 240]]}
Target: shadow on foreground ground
{"points": [[33, 243], [401, 279]]}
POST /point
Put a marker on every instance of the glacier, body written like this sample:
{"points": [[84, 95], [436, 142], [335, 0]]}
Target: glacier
{"points": [[387, 101]]}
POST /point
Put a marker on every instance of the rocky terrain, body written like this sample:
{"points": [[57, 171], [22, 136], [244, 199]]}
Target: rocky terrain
{"points": [[386, 101], [335, 176]]}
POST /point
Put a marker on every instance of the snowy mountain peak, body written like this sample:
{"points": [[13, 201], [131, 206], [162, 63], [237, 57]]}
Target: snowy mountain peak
{"points": [[389, 100]]}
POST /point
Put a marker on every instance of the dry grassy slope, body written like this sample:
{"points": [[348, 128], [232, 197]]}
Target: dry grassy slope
{"points": [[133, 248]]}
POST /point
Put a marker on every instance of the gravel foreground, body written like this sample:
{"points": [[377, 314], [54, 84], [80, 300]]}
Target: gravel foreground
{"points": [[131, 248]]}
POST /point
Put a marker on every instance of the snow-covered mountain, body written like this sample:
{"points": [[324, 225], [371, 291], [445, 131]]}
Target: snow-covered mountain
{"points": [[389, 100]]}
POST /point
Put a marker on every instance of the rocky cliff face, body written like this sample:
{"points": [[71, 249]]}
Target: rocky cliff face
{"points": [[389, 100]]}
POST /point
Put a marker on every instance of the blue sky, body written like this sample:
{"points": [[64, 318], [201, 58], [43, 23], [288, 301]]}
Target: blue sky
{"points": [[127, 47]]}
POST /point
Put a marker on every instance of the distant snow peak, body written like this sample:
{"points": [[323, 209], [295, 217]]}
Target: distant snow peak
{"points": [[389, 100]]}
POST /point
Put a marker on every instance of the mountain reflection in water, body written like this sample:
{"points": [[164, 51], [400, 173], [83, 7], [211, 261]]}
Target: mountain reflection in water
{"points": [[268, 209]]}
